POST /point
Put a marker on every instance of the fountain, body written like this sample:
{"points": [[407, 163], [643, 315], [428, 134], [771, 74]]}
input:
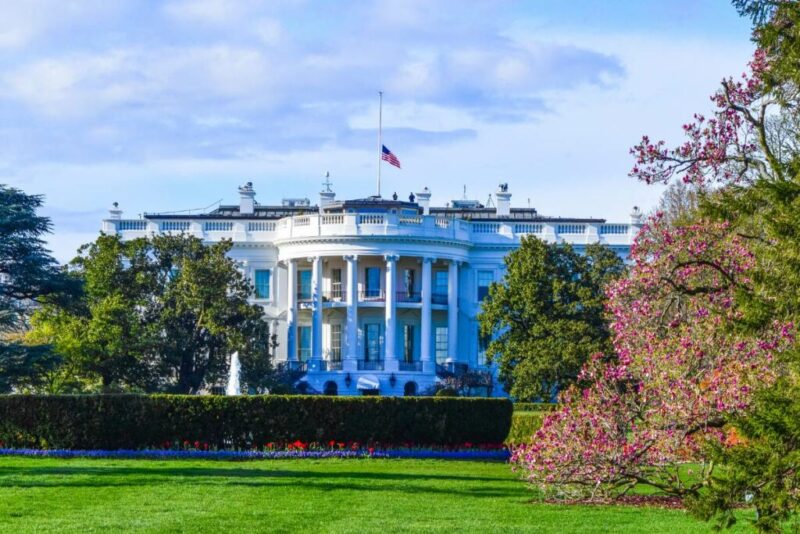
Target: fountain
{"points": [[233, 376]]}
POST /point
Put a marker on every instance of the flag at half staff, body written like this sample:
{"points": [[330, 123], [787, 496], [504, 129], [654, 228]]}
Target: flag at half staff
{"points": [[386, 155]]}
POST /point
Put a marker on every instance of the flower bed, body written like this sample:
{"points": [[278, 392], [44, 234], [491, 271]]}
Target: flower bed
{"points": [[278, 451]]}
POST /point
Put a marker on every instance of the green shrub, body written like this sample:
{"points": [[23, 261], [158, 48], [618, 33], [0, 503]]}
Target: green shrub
{"points": [[534, 406], [446, 392], [139, 421], [523, 426]]}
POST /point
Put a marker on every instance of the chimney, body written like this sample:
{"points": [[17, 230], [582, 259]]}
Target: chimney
{"points": [[424, 200], [326, 196], [247, 202], [636, 216], [503, 201], [115, 213]]}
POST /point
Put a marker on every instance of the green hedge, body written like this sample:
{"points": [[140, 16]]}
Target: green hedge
{"points": [[534, 406], [139, 421], [523, 426]]}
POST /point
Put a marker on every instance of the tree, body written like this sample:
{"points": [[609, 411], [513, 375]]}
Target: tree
{"points": [[547, 316], [29, 276], [674, 379], [160, 314], [748, 150]]}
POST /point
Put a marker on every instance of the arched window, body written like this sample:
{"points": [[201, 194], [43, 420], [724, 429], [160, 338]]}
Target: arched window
{"points": [[410, 389], [331, 388]]}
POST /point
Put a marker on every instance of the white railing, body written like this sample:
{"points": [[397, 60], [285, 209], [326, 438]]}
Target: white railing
{"points": [[571, 229], [175, 226], [341, 224], [261, 226], [133, 225], [336, 218], [218, 226], [370, 218], [616, 229], [485, 228], [528, 228]]}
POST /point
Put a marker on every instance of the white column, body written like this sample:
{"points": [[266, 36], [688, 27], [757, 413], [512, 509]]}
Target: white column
{"points": [[452, 312], [390, 360], [351, 357], [428, 365], [291, 311], [316, 309]]}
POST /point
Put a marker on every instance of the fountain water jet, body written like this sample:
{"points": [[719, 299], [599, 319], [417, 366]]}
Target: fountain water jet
{"points": [[233, 376]]}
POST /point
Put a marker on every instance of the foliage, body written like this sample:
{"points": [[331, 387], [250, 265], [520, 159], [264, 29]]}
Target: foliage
{"points": [[534, 406], [748, 151], [523, 426], [446, 392], [547, 316], [470, 383], [159, 314], [676, 375], [29, 276], [242, 422]]}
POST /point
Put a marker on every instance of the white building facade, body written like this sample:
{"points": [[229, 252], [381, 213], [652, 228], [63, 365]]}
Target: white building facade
{"points": [[376, 296]]}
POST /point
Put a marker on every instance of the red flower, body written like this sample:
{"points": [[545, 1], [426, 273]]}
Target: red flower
{"points": [[331, 443], [371, 450]]}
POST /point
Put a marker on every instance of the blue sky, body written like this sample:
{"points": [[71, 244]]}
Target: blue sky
{"points": [[170, 105]]}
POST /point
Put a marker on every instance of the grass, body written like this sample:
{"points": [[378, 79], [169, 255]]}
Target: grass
{"points": [[82, 495]]}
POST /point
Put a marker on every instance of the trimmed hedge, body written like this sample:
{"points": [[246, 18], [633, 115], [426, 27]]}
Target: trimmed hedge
{"points": [[534, 406], [143, 421], [523, 426]]}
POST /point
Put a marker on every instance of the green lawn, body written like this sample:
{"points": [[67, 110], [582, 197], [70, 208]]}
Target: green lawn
{"points": [[51, 495]]}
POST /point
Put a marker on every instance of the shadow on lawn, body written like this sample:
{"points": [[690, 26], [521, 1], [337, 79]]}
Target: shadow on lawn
{"points": [[121, 476]]}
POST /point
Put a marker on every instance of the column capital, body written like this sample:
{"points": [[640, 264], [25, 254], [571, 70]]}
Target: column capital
{"points": [[428, 259], [391, 257], [350, 257], [312, 259]]}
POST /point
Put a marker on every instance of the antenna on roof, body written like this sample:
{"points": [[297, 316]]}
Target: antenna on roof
{"points": [[327, 183], [490, 202], [465, 192]]}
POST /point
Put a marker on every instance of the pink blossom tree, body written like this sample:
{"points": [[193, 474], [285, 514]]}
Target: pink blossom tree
{"points": [[678, 373]]}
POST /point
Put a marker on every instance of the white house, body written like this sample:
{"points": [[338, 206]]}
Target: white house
{"points": [[375, 295]]}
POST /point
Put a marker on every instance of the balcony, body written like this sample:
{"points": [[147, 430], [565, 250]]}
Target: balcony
{"points": [[371, 295], [415, 367], [377, 224], [333, 295], [375, 365], [409, 296]]}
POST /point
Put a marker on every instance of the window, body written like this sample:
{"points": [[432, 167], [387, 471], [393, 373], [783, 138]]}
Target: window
{"points": [[483, 344], [304, 285], [372, 279], [439, 295], [263, 279], [408, 343], [440, 344], [408, 282], [336, 343], [304, 335], [372, 342], [336, 284], [485, 279]]}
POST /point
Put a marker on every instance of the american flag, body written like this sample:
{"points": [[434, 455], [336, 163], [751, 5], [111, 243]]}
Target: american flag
{"points": [[386, 155]]}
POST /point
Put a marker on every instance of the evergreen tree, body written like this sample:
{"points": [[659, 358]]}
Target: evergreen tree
{"points": [[29, 276], [547, 316]]}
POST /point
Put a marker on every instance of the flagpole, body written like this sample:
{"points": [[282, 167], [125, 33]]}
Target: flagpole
{"points": [[380, 138]]}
